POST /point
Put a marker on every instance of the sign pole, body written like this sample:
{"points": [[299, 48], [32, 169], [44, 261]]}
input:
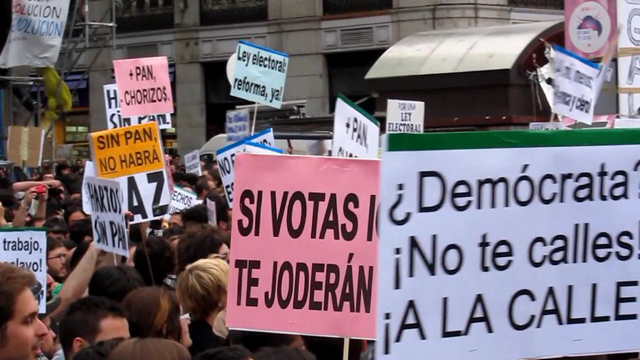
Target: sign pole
{"points": [[255, 115], [345, 351]]}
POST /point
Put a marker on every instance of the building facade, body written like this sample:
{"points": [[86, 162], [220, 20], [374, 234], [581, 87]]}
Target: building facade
{"points": [[332, 45]]}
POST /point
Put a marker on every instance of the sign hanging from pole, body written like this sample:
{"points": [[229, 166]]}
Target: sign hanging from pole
{"points": [[405, 116], [114, 113], [356, 134], [25, 145], [144, 86]]}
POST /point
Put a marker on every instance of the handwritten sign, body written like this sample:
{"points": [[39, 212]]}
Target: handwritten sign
{"points": [[127, 151], [144, 86], [107, 215], [305, 256], [237, 125], [192, 162], [574, 94], [405, 116], [27, 248], [114, 113], [356, 134], [260, 74], [181, 199]]}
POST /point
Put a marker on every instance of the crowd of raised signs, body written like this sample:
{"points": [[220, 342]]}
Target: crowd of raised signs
{"points": [[166, 301]]}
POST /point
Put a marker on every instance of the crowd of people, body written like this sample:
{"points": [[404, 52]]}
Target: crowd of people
{"points": [[166, 301]]}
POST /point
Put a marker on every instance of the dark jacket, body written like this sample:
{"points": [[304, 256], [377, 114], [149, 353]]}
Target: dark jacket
{"points": [[203, 337]]}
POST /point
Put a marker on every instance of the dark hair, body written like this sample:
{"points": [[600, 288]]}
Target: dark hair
{"points": [[53, 244], [70, 211], [32, 221], [82, 319], [215, 175], [177, 176], [225, 353], [172, 231], [69, 244], [198, 244], [135, 233], [114, 282], [222, 206], [331, 348], [196, 214], [56, 225], [283, 353], [160, 254], [72, 182], [98, 351], [79, 230], [153, 312], [191, 179], [54, 206], [77, 255], [150, 348], [255, 341], [14, 281], [202, 186]]}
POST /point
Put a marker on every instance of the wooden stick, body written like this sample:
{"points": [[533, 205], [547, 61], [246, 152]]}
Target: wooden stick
{"points": [[345, 352], [255, 115]]}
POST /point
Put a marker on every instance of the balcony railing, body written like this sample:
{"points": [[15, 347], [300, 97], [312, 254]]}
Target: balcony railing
{"points": [[144, 15], [334, 7], [538, 4], [219, 12]]}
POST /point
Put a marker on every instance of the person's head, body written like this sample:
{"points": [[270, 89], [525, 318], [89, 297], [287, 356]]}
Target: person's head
{"points": [[256, 340], [325, 348], [175, 159], [99, 351], [63, 169], [225, 353], [222, 211], [214, 174], [57, 228], [115, 282], [160, 254], [202, 287], [283, 353], [73, 214], [79, 162], [49, 344], [81, 231], [172, 234], [199, 244], [154, 312], [21, 332], [150, 348], [189, 180], [176, 219], [89, 320], [35, 222], [202, 187], [56, 259], [194, 216]]}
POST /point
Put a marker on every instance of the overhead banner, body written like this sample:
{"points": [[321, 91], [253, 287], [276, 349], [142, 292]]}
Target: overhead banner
{"points": [[305, 259], [144, 86], [590, 25], [27, 248], [25, 145], [237, 125], [226, 158], [260, 74], [574, 86], [107, 200], [628, 57], [529, 237], [356, 134], [181, 200], [36, 33], [405, 116], [192, 162], [114, 113]]}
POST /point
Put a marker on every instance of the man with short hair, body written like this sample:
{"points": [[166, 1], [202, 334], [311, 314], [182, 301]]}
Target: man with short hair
{"points": [[21, 332], [89, 320]]}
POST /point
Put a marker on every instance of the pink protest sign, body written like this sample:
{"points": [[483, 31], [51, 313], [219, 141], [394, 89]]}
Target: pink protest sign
{"points": [[589, 26], [144, 86], [304, 245]]}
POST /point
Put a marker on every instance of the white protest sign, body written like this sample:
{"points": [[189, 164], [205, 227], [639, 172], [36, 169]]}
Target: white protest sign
{"points": [[226, 158], [626, 123], [27, 248], [89, 171], [192, 163], [110, 231], [356, 134], [574, 90], [237, 125], [509, 245], [259, 74], [538, 126], [405, 116], [36, 33], [181, 199], [211, 213], [114, 113]]}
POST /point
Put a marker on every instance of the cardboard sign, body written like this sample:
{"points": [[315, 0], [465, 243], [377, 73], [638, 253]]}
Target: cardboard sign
{"points": [[114, 115], [36, 33], [24, 145], [144, 86], [260, 74], [181, 200], [538, 126], [355, 133], [27, 248], [110, 231], [306, 248], [573, 85], [530, 237], [405, 116], [192, 162], [127, 151], [237, 125], [225, 158], [590, 25]]}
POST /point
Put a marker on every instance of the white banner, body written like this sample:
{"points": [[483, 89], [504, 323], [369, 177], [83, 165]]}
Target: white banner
{"points": [[110, 231], [226, 158], [237, 125], [192, 162], [356, 134], [180, 200], [114, 115], [574, 86], [405, 116], [27, 249], [509, 253], [36, 33]]}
